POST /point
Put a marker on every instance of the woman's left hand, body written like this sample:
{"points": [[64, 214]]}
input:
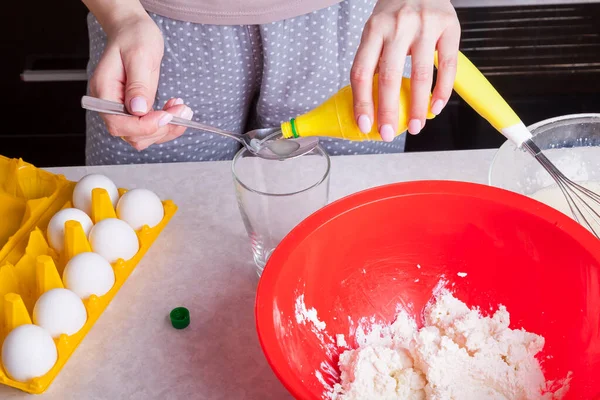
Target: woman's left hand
{"points": [[398, 28]]}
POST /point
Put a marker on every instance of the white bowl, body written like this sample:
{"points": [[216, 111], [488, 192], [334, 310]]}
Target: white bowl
{"points": [[571, 142]]}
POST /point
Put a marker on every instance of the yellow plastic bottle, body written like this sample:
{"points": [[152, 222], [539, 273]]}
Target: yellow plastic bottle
{"points": [[335, 117]]}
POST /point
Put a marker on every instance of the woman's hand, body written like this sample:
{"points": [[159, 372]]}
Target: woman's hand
{"points": [[398, 28], [128, 72]]}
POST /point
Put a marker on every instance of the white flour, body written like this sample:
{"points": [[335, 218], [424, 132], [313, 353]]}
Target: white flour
{"points": [[303, 314], [340, 340], [458, 354]]}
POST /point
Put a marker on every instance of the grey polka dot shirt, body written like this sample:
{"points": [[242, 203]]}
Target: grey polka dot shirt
{"points": [[243, 77]]}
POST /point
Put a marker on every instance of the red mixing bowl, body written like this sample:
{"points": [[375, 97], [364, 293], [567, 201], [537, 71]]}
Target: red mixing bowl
{"points": [[358, 258]]}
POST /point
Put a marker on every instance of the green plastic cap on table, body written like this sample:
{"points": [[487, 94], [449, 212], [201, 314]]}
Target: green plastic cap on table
{"points": [[180, 318]]}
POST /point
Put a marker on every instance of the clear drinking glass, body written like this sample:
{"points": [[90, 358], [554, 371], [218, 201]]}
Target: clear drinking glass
{"points": [[274, 196]]}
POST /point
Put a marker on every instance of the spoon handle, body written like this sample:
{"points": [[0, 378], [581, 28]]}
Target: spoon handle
{"points": [[114, 108]]}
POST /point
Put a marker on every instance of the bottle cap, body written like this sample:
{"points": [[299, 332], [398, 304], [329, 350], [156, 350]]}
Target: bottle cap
{"points": [[180, 318]]}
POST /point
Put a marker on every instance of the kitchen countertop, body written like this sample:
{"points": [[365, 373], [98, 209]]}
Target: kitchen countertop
{"points": [[202, 261]]}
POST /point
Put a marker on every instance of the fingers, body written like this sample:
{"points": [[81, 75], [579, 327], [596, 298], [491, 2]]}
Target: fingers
{"points": [[171, 136], [141, 71], [172, 102], [447, 47], [176, 131], [395, 29], [121, 126], [422, 53], [361, 76], [165, 133], [107, 83], [142, 143], [107, 80], [391, 68], [143, 127]]}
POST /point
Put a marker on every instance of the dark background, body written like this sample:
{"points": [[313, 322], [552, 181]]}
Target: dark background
{"points": [[545, 60]]}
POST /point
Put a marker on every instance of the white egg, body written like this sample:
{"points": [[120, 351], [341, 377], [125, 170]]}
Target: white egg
{"points": [[60, 311], [139, 207], [56, 227], [28, 352], [114, 239], [87, 274], [82, 194]]}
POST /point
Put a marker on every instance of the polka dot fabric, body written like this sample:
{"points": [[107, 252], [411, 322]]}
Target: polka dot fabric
{"points": [[235, 77]]}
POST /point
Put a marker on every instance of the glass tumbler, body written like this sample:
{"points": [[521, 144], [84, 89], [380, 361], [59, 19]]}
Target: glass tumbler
{"points": [[276, 195]]}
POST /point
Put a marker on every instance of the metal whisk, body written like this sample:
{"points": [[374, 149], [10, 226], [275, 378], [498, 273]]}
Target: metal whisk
{"points": [[579, 198], [479, 93]]}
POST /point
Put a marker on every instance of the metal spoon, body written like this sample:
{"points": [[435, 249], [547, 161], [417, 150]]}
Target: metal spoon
{"points": [[265, 142]]}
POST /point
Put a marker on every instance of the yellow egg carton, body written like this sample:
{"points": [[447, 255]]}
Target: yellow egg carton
{"points": [[29, 197]]}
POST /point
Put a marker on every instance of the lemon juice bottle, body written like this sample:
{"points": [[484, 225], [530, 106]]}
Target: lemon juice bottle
{"points": [[335, 117]]}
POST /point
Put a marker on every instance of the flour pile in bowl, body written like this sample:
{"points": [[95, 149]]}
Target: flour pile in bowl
{"points": [[458, 354]]}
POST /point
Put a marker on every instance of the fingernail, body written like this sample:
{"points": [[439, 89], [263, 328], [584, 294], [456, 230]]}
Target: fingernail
{"points": [[414, 126], [364, 123], [178, 102], [187, 113], [138, 104], [164, 120], [437, 106], [387, 133]]}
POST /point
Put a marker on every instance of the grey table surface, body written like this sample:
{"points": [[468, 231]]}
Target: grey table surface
{"points": [[202, 261]]}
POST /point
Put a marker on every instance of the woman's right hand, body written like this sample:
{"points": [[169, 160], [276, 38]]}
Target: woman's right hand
{"points": [[128, 73]]}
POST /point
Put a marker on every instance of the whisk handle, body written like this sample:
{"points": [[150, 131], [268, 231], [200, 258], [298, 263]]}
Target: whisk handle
{"points": [[478, 92]]}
